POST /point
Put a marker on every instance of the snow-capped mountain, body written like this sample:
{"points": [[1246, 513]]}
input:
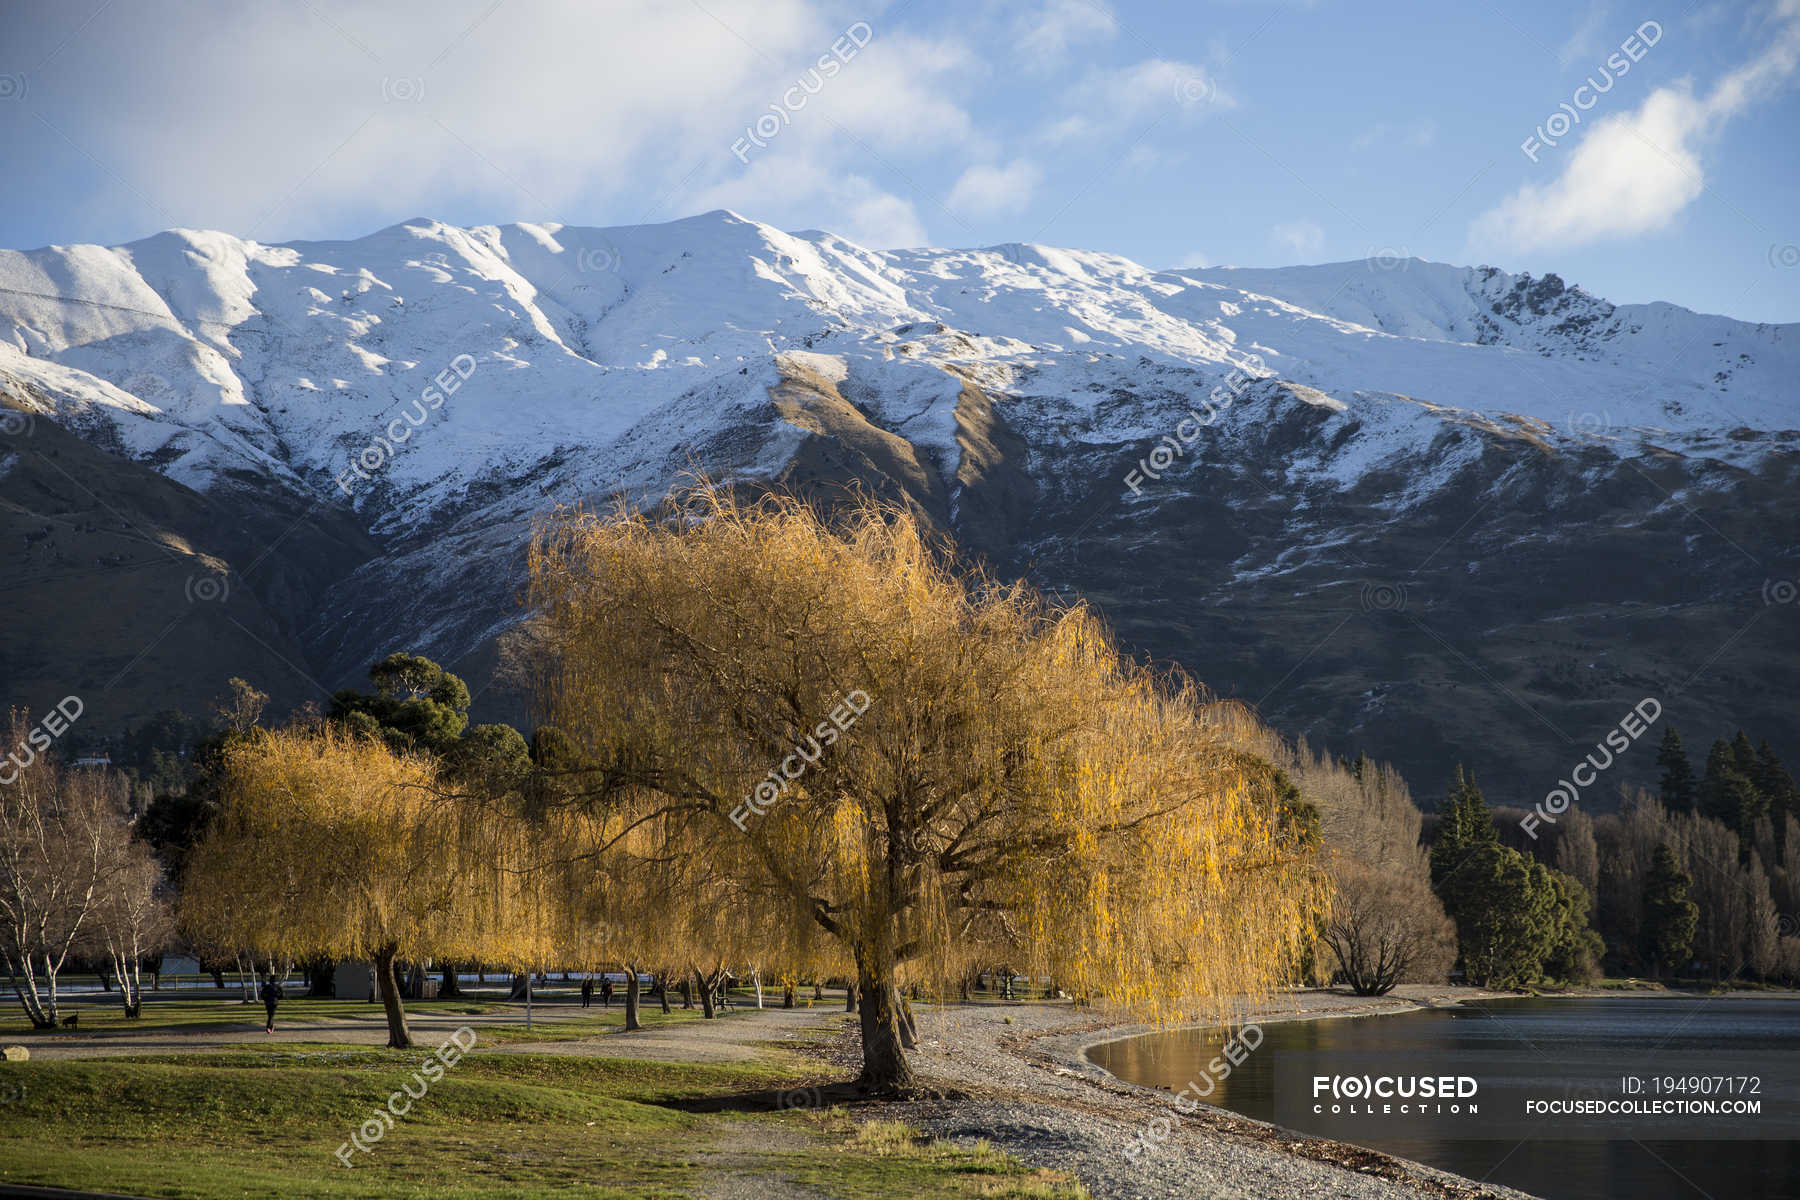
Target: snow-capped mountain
{"points": [[1225, 459]]}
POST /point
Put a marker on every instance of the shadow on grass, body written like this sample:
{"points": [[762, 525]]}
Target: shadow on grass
{"points": [[814, 1097]]}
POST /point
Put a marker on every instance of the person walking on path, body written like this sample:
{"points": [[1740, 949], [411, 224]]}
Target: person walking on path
{"points": [[606, 992], [587, 992], [271, 996]]}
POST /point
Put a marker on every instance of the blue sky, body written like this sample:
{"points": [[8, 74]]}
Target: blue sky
{"points": [[1177, 134]]}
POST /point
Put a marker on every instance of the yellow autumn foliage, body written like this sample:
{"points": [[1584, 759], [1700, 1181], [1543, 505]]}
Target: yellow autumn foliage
{"points": [[329, 843], [1013, 789]]}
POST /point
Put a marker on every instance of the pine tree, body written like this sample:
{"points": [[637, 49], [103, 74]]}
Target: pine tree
{"points": [[1720, 762], [1728, 793], [1514, 916], [1743, 754], [1464, 826], [1746, 806], [1777, 786], [1677, 773], [1669, 916]]}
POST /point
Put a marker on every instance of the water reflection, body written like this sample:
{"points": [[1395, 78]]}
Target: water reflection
{"points": [[1642, 1027]]}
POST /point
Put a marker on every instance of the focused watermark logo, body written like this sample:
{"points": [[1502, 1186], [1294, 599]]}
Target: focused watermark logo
{"points": [[1618, 64], [1230, 1056], [806, 1098], [760, 132], [597, 258], [1784, 257], [1780, 591], [211, 588], [430, 1071], [1592, 424], [39, 738], [1196, 89], [381, 451], [770, 790], [1388, 258], [1635, 725], [1396, 1095], [1384, 597], [1172, 447]]}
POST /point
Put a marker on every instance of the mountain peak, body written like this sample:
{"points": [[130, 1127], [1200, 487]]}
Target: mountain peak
{"points": [[431, 387]]}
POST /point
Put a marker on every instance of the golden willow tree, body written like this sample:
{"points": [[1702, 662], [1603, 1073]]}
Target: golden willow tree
{"points": [[839, 735], [621, 890], [329, 843]]}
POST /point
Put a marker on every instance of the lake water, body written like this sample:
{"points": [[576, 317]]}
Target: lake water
{"points": [[1440, 1039]]}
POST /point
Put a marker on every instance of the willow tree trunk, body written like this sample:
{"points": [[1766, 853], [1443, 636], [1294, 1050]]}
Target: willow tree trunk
{"points": [[787, 996], [706, 993], [399, 1037], [909, 1033], [662, 991], [885, 1068], [449, 986], [631, 998], [687, 993]]}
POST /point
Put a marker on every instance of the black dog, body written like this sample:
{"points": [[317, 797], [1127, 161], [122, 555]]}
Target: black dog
{"points": [[70, 1020]]}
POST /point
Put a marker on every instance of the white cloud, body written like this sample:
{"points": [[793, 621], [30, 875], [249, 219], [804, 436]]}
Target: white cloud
{"points": [[1048, 32], [1193, 260], [795, 192], [1105, 102], [985, 191], [1417, 134], [1142, 158], [1589, 37], [898, 96], [1636, 171], [1303, 240], [303, 120]]}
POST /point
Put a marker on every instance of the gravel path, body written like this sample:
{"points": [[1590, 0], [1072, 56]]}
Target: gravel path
{"points": [[1029, 1090]]}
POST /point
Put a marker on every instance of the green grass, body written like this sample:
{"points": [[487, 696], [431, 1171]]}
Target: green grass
{"points": [[562, 1024], [265, 1121], [224, 1011], [258, 1122], [554, 1018], [878, 1158]]}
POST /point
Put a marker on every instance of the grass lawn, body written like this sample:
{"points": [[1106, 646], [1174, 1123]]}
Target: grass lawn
{"points": [[553, 1019], [266, 1121], [170, 1012]]}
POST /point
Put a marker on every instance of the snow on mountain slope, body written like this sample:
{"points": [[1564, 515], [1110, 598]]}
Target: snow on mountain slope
{"points": [[1714, 369], [437, 387], [207, 354]]}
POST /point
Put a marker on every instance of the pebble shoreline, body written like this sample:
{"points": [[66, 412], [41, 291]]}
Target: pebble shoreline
{"points": [[1028, 1088]]}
